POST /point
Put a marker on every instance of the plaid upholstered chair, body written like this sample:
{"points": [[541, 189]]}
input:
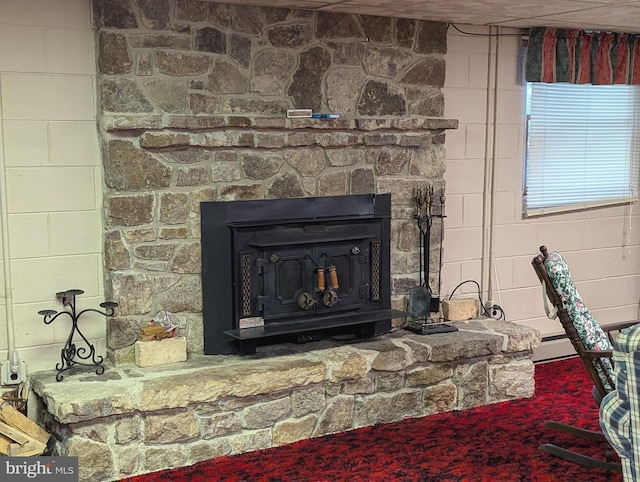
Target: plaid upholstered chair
{"points": [[620, 409], [593, 344]]}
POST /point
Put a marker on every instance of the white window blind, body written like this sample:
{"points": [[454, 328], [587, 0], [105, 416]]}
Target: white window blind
{"points": [[582, 146]]}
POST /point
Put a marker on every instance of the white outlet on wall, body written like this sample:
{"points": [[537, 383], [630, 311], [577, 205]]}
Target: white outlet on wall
{"points": [[9, 378]]}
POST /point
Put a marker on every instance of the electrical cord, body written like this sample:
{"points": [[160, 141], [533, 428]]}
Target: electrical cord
{"points": [[450, 24], [495, 311]]}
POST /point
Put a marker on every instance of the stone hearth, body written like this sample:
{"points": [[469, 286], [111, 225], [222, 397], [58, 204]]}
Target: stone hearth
{"points": [[133, 420]]}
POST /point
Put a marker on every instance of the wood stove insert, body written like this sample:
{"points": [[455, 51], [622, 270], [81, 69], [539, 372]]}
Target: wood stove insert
{"points": [[294, 270]]}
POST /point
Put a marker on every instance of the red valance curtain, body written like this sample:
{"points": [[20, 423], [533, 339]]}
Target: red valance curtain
{"points": [[580, 57]]}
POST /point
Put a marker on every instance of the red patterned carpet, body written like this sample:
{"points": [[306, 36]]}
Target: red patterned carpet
{"points": [[486, 444]]}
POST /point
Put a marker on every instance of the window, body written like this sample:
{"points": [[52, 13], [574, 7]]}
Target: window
{"points": [[582, 146]]}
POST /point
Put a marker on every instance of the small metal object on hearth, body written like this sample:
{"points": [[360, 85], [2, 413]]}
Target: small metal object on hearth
{"points": [[72, 355]]}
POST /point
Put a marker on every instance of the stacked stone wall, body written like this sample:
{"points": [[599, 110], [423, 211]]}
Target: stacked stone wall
{"points": [[192, 107]]}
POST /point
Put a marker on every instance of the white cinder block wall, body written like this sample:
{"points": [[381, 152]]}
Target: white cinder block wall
{"points": [[50, 158], [602, 252]]}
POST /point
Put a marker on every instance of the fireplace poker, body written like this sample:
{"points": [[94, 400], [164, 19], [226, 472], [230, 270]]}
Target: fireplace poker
{"points": [[442, 216]]}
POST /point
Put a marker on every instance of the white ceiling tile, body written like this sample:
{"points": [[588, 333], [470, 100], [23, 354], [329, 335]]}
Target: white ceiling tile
{"points": [[614, 15]]}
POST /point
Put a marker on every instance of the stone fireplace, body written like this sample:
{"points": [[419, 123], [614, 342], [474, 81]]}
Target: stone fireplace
{"points": [[193, 100], [192, 108]]}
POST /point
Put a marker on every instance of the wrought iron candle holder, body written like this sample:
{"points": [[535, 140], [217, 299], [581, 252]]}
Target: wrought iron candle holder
{"points": [[70, 354]]}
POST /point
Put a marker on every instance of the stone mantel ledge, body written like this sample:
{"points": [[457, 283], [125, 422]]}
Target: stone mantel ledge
{"points": [[148, 122], [125, 389]]}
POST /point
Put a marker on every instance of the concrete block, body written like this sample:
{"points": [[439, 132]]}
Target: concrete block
{"points": [[457, 310], [161, 352], [49, 97]]}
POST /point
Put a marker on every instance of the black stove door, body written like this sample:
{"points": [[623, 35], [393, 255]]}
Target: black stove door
{"points": [[302, 282]]}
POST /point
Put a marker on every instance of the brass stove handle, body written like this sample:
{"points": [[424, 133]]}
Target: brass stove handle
{"points": [[330, 298], [306, 301]]}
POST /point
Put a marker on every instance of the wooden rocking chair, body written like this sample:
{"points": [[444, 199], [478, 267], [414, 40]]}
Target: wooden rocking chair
{"points": [[593, 344]]}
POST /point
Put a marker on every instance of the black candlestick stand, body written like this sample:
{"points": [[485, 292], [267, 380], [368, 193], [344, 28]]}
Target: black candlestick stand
{"points": [[71, 355]]}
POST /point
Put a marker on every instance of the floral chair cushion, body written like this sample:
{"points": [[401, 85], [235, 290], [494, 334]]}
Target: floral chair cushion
{"points": [[593, 337]]}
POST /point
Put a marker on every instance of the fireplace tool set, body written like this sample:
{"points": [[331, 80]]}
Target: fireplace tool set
{"points": [[71, 355], [422, 301]]}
